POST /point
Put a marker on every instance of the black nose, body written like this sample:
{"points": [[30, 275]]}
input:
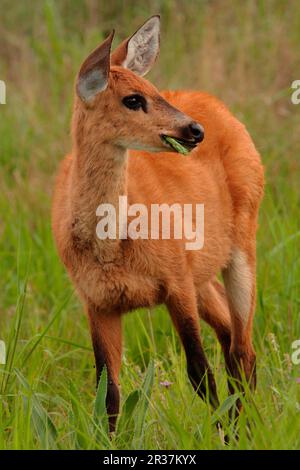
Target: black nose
{"points": [[196, 131]]}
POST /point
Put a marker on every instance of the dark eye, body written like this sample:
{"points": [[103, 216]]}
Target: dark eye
{"points": [[135, 102]]}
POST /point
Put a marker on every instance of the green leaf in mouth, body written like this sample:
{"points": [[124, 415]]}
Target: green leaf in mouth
{"points": [[176, 145]]}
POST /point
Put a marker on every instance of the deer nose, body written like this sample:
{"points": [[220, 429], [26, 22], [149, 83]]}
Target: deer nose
{"points": [[196, 131]]}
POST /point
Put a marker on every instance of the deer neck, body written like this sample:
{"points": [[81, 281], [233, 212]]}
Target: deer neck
{"points": [[99, 176]]}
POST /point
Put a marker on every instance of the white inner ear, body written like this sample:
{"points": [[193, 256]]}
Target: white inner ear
{"points": [[91, 83], [143, 48]]}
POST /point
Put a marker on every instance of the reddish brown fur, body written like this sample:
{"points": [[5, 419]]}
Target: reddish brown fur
{"points": [[113, 277]]}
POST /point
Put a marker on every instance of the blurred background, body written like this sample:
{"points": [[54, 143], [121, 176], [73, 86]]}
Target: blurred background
{"points": [[247, 53]]}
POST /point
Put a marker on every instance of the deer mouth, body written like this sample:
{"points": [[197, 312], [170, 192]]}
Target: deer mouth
{"points": [[179, 145]]}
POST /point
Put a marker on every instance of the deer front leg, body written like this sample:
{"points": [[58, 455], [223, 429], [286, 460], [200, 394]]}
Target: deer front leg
{"points": [[240, 284], [106, 332], [183, 311]]}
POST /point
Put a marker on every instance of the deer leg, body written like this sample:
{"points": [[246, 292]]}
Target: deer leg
{"points": [[106, 332], [183, 311], [213, 309]]}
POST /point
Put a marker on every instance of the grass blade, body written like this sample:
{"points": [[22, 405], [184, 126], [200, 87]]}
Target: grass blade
{"points": [[43, 425], [100, 413], [142, 406]]}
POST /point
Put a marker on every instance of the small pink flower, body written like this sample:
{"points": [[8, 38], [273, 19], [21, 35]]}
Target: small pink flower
{"points": [[166, 384], [298, 380]]}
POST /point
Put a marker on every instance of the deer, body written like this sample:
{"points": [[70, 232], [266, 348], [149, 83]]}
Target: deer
{"points": [[118, 124]]}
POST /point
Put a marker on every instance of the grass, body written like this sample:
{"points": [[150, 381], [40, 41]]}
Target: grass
{"points": [[247, 55]]}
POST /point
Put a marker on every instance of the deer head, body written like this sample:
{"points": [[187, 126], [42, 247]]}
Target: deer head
{"points": [[118, 106]]}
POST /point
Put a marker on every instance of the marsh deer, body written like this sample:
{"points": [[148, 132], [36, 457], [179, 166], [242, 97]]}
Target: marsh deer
{"points": [[118, 128]]}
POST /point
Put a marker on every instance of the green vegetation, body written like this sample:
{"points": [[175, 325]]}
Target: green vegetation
{"points": [[176, 145], [247, 53]]}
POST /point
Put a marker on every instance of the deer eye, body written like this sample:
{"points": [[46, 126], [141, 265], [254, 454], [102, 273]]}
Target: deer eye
{"points": [[135, 102]]}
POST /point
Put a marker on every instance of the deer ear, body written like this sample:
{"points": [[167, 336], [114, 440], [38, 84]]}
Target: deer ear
{"points": [[139, 52], [94, 72]]}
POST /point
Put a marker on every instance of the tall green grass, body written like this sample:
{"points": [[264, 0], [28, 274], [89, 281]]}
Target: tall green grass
{"points": [[248, 55]]}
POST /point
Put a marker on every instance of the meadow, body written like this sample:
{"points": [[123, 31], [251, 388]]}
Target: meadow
{"points": [[247, 54]]}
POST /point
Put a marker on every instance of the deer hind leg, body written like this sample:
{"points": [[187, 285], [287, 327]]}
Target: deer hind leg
{"points": [[106, 332], [183, 311], [240, 285], [213, 309]]}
